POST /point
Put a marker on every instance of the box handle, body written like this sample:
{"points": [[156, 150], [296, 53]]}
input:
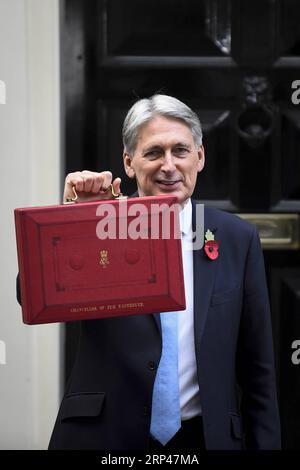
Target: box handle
{"points": [[73, 200]]}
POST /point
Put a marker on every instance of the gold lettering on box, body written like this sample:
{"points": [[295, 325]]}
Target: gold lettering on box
{"points": [[84, 309], [96, 308], [131, 305]]}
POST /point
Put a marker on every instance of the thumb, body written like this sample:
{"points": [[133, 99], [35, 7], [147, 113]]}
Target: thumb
{"points": [[69, 191], [117, 185]]}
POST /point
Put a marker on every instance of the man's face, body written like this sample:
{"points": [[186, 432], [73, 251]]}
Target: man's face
{"points": [[166, 160]]}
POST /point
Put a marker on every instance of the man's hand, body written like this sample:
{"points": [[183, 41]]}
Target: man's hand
{"points": [[91, 186]]}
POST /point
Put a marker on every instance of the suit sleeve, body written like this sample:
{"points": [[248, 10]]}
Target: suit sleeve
{"points": [[255, 358]]}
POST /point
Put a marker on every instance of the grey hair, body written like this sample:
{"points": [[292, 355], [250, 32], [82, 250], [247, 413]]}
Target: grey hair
{"points": [[145, 109]]}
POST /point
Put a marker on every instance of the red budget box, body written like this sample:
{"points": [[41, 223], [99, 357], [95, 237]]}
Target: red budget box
{"points": [[99, 259]]}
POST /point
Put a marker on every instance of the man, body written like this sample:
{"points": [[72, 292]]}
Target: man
{"points": [[226, 379]]}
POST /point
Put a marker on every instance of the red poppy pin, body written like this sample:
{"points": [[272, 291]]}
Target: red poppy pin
{"points": [[211, 246]]}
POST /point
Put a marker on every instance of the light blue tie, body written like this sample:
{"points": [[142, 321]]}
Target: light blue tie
{"points": [[165, 417]]}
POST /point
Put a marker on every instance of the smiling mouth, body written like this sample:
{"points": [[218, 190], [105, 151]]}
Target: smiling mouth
{"points": [[168, 183]]}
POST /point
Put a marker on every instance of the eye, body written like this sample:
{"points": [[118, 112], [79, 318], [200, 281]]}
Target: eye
{"points": [[182, 151], [152, 154]]}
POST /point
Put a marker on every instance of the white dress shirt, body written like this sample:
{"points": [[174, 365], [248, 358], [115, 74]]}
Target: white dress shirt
{"points": [[188, 384]]}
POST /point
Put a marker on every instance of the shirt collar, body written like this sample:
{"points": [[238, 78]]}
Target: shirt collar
{"points": [[185, 217]]}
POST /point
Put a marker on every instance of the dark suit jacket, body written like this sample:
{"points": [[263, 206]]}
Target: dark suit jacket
{"points": [[108, 400]]}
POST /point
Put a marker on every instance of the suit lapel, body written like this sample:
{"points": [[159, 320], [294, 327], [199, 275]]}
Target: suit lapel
{"points": [[204, 277], [156, 317]]}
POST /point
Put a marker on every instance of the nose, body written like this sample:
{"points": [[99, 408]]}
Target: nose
{"points": [[168, 165]]}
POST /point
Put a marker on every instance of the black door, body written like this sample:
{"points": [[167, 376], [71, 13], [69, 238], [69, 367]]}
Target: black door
{"points": [[235, 62]]}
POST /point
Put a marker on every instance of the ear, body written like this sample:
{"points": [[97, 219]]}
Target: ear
{"points": [[201, 161], [129, 169]]}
